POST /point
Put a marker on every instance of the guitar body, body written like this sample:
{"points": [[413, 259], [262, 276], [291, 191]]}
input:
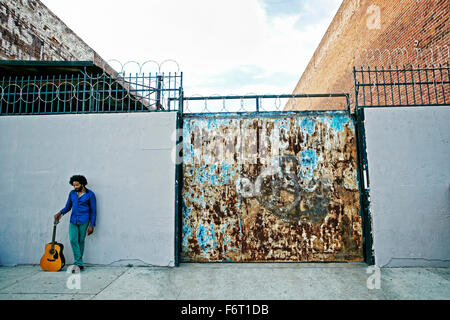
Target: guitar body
{"points": [[53, 258]]}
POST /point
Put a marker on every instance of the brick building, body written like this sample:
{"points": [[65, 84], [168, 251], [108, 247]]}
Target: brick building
{"points": [[377, 33], [30, 31]]}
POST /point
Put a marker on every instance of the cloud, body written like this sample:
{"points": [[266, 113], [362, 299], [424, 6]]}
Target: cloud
{"points": [[308, 14], [234, 44], [246, 79], [282, 7]]}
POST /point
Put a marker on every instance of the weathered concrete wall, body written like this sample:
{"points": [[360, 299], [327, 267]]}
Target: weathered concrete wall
{"points": [[374, 33], [126, 158], [409, 173], [30, 31]]}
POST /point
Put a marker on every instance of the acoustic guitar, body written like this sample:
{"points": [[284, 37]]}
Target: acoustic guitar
{"points": [[53, 258]]}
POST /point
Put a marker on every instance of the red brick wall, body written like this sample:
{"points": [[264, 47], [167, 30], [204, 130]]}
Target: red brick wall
{"points": [[405, 32]]}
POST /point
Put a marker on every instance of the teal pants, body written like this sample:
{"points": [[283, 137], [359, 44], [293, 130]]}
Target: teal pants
{"points": [[77, 234]]}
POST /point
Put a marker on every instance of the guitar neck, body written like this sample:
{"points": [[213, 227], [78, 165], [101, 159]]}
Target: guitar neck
{"points": [[54, 235]]}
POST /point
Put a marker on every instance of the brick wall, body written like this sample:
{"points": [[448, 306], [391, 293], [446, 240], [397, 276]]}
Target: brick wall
{"points": [[30, 31], [375, 33]]}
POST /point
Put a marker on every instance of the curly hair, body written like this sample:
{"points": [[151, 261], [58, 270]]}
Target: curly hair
{"points": [[81, 179]]}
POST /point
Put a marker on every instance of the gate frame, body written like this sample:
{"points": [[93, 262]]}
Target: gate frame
{"points": [[364, 189], [361, 159]]}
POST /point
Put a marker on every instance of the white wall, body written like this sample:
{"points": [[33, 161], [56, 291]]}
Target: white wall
{"points": [[408, 153], [126, 158]]}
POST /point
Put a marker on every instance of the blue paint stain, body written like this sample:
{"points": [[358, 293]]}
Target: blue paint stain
{"points": [[186, 229], [307, 125], [186, 233], [226, 173], [281, 123], [225, 166], [212, 236], [212, 168], [186, 210], [199, 174], [206, 237], [337, 122], [188, 151], [212, 123], [200, 200], [308, 163], [226, 238], [207, 174], [202, 238]]}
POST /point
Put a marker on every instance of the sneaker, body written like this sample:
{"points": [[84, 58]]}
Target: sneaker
{"points": [[76, 268]]}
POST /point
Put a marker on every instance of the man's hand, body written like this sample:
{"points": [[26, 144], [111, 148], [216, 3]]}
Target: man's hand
{"points": [[57, 217], [90, 230]]}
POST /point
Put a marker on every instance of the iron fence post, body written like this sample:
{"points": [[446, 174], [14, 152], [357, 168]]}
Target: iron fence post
{"points": [[158, 92]]}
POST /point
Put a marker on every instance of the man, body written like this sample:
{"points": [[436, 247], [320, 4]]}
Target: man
{"points": [[84, 213]]}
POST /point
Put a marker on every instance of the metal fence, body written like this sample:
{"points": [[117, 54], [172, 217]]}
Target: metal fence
{"points": [[90, 93], [87, 93], [405, 86], [252, 103]]}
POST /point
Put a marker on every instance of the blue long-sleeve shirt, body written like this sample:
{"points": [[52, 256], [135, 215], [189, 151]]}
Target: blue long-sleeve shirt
{"points": [[84, 209]]}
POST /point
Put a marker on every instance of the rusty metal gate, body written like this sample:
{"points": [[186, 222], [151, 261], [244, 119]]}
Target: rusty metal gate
{"points": [[270, 186]]}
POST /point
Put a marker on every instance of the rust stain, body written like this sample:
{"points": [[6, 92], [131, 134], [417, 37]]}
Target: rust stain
{"points": [[271, 189]]}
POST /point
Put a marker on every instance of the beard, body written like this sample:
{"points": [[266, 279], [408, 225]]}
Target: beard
{"points": [[78, 189]]}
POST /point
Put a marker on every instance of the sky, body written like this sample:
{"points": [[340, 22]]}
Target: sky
{"points": [[222, 47]]}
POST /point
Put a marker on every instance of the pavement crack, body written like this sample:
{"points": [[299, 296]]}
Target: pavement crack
{"points": [[21, 279], [120, 275]]}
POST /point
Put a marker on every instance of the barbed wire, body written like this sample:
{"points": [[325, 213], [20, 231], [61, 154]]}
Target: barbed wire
{"points": [[118, 69], [249, 102], [401, 56]]}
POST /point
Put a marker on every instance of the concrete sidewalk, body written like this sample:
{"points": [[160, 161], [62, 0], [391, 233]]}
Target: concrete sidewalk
{"points": [[228, 281]]}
